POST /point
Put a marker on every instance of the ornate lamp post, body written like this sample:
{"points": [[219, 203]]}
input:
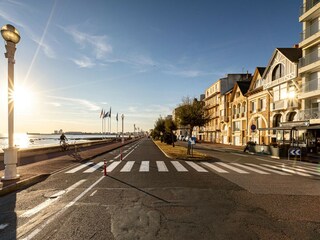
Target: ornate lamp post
{"points": [[11, 35]]}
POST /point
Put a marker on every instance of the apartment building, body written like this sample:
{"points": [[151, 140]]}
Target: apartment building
{"points": [[225, 117], [212, 131], [309, 70], [258, 109], [239, 110]]}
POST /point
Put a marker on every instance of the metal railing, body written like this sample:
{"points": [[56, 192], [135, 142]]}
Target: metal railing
{"points": [[308, 5], [309, 31], [311, 85], [309, 58], [307, 114]]}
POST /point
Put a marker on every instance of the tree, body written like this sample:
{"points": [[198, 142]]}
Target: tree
{"points": [[191, 113], [159, 128], [170, 126]]}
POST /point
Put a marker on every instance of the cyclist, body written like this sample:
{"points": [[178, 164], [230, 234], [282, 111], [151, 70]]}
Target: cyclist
{"points": [[63, 140]]}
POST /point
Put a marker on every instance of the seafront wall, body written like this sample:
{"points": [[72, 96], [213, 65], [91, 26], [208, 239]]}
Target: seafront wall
{"points": [[74, 147]]}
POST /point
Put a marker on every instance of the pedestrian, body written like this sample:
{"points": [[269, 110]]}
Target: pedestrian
{"points": [[246, 147]]}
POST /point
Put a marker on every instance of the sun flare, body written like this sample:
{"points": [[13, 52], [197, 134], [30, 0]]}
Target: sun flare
{"points": [[24, 99]]}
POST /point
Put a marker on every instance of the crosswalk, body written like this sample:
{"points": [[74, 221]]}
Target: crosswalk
{"points": [[201, 167]]}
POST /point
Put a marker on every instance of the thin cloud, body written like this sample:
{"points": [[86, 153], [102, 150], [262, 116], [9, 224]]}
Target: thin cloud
{"points": [[78, 102], [99, 44], [84, 62]]}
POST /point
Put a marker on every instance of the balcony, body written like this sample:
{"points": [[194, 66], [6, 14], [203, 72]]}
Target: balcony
{"points": [[311, 85], [307, 6], [308, 114], [278, 105], [309, 62], [309, 31]]}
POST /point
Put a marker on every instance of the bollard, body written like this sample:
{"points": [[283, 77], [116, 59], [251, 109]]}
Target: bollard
{"points": [[105, 167]]}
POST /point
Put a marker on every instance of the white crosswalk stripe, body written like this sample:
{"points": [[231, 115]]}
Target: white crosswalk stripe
{"points": [[232, 168], [179, 166], [287, 170], [196, 167], [94, 168], [144, 167], [162, 166], [80, 167], [112, 166], [301, 170], [250, 168], [127, 167], [268, 169], [215, 168]]}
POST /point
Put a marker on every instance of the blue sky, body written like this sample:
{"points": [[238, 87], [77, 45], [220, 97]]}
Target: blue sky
{"points": [[139, 57]]}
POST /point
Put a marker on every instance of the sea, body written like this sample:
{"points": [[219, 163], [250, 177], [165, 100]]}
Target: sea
{"points": [[26, 140]]}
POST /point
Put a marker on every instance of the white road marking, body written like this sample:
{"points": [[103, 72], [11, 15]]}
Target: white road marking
{"points": [[215, 168], [3, 226], [49, 201], [48, 221], [94, 168], [94, 192], [232, 168], [162, 166], [79, 167], [127, 167], [269, 170], [250, 168], [127, 154], [179, 166], [112, 166], [196, 166], [144, 167], [287, 170]]}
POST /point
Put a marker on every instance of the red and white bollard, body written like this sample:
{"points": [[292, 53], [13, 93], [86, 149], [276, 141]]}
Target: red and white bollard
{"points": [[105, 167]]}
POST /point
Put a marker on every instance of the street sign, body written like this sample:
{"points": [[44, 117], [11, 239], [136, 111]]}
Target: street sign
{"points": [[295, 152], [192, 140], [253, 127]]}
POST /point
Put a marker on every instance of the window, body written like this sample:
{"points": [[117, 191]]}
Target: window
{"points": [[236, 126], [262, 103], [283, 91], [253, 106], [278, 72]]}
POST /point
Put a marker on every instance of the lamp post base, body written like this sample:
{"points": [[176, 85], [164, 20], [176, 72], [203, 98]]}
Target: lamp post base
{"points": [[10, 161]]}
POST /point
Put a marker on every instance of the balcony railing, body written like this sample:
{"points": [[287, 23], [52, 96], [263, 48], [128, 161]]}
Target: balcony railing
{"points": [[278, 105], [307, 6], [311, 113], [309, 31], [311, 85], [309, 58]]}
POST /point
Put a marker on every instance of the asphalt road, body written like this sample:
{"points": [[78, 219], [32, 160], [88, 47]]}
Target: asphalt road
{"points": [[149, 196]]}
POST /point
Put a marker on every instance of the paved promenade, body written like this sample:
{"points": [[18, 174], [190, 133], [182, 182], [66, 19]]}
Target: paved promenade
{"points": [[33, 171]]}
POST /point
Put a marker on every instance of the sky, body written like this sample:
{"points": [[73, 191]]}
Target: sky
{"points": [[138, 57]]}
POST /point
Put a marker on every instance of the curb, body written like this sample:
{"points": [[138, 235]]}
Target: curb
{"points": [[23, 184], [162, 151]]}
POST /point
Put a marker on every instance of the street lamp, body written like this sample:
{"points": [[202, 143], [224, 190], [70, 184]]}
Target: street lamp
{"points": [[11, 35]]}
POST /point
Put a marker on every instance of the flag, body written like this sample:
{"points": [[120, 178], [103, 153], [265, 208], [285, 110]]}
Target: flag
{"points": [[102, 113], [117, 117], [110, 113], [105, 115]]}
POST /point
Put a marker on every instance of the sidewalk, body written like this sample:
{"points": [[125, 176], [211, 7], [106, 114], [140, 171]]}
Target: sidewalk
{"points": [[39, 171], [310, 159]]}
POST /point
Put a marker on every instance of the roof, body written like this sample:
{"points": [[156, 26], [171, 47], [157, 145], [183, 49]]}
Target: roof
{"points": [[261, 70], [244, 86], [293, 54]]}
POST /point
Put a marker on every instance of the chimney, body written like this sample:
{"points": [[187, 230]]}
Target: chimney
{"points": [[296, 46]]}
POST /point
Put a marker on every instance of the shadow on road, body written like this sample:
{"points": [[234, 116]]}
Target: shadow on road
{"points": [[139, 189]]}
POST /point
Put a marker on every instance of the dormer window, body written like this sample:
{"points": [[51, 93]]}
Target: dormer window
{"points": [[278, 72]]}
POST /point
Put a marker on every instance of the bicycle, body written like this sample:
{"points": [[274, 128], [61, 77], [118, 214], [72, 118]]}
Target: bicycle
{"points": [[64, 146]]}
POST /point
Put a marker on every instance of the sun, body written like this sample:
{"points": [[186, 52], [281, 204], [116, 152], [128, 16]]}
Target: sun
{"points": [[24, 99]]}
